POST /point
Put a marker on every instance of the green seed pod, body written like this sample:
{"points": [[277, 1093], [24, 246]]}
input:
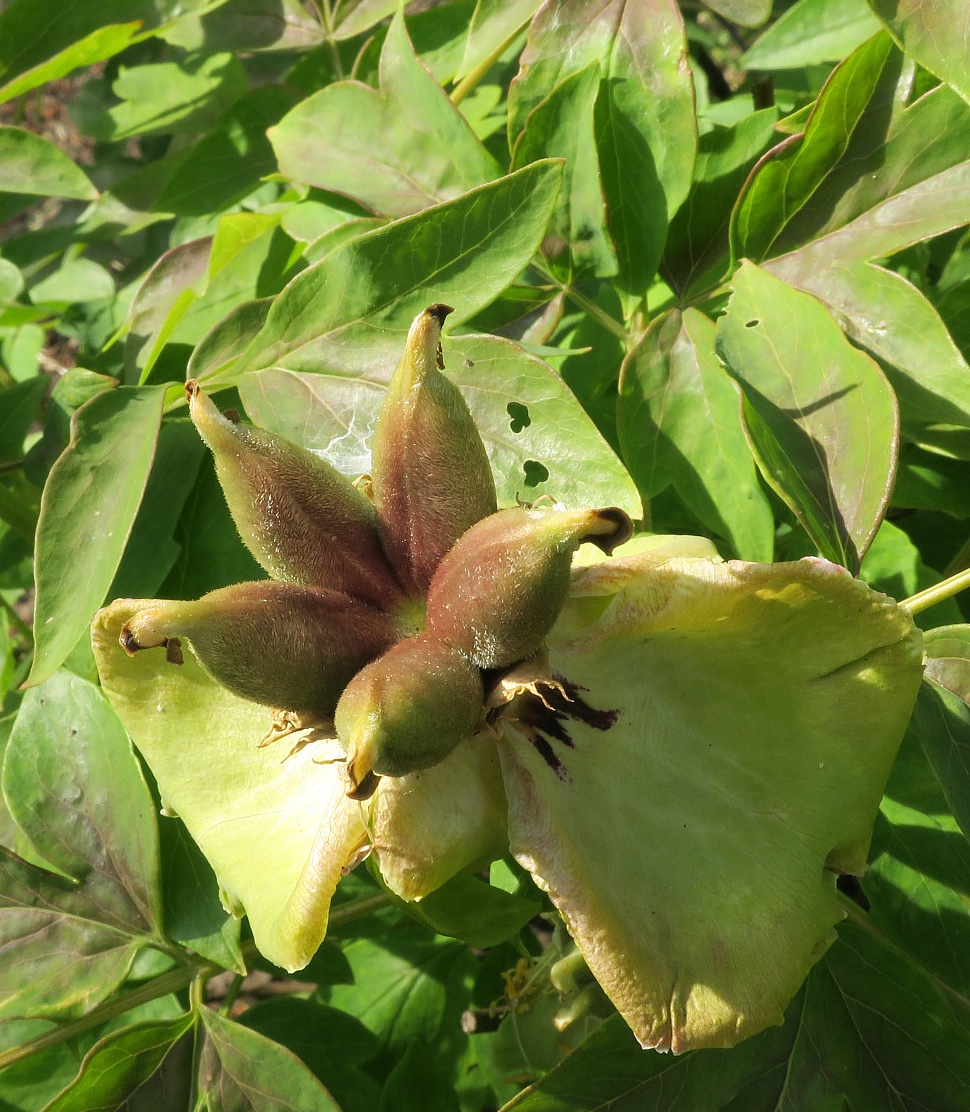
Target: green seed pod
{"points": [[406, 711], [303, 521], [284, 646], [431, 476], [499, 591]]}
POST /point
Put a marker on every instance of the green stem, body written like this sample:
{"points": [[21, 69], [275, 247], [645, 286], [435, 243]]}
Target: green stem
{"points": [[174, 981], [11, 465], [939, 592], [474, 76], [583, 302]]}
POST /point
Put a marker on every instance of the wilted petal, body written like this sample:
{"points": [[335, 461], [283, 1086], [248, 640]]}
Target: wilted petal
{"points": [[431, 475], [430, 825], [277, 830], [730, 730], [287, 647], [498, 592], [302, 520]]}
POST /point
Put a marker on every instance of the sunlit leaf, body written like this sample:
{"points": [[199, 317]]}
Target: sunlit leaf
{"points": [[521, 407], [351, 311], [88, 509], [30, 164], [786, 179], [810, 32], [679, 419], [807, 389], [240, 1068], [77, 794], [146, 1063], [396, 150], [934, 32], [644, 123]]}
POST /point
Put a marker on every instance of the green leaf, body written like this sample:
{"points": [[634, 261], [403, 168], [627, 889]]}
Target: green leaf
{"points": [[331, 1043], [212, 555], [230, 160], [399, 988], [30, 164], [70, 392], [524, 412], [194, 917], [788, 176], [18, 408], [561, 126], [239, 1068], [934, 32], [919, 879], [32, 1082], [167, 292], [34, 31], [475, 912], [76, 281], [152, 550], [351, 311], [749, 13], [11, 281], [738, 725], [221, 346], [808, 390], [811, 32], [250, 25], [98, 46], [679, 420], [697, 246], [146, 1065], [645, 127], [870, 1031], [900, 177], [888, 316], [417, 1083], [397, 150], [943, 715], [493, 24], [87, 512], [363, 16], [162, 98], [74, 788]]}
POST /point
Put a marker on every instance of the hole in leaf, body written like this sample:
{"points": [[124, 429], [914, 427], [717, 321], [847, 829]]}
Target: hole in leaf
{"points": [[535, 473], [520, 416], [752, 323]]}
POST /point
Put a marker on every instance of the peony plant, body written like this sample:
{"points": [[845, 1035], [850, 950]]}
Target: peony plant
{"points": [[684, 752]]}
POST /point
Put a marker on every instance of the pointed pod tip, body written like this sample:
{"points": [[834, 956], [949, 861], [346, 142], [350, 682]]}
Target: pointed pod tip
{"points": [[439, 312], [192, 388], [616, 528], [364, 788]]}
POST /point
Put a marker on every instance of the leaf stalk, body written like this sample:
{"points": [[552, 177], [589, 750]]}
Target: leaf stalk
{"points": [[939, 592]]}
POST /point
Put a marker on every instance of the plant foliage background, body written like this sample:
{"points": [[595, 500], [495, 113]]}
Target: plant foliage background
{"points": [[708, 262]]}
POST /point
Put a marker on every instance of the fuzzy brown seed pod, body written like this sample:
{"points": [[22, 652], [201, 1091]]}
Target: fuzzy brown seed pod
{"points": [[302, 520], [407, 711], [431, 475], [288, 647], [499, 591]]}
